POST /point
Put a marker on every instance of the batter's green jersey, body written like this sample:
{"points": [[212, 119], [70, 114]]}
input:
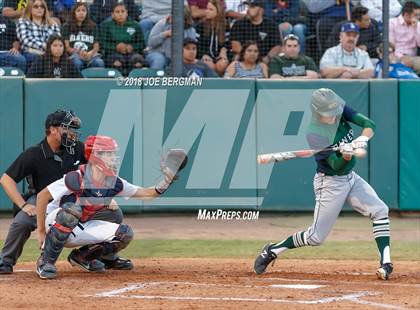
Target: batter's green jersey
{"points": [[322, 136]]}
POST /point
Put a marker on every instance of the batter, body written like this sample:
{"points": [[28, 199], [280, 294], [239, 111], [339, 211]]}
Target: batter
{"points": [[335, 181]]}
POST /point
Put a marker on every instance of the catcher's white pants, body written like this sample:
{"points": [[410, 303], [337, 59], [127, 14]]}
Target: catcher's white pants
{"points": [[331, 192], [90, 232]]}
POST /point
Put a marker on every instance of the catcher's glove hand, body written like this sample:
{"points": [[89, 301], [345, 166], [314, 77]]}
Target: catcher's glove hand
{"points": [[171, 164]]}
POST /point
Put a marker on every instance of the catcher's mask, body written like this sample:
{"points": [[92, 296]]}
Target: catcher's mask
{"points": [[101, 151], [69, 125]]}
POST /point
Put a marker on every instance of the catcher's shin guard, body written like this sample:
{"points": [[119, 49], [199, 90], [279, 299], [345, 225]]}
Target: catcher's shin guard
{"points": [[67, 218]]}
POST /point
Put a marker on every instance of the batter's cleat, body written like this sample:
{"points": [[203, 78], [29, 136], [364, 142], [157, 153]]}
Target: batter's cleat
{"points": [[46, 271], [264, 259], [118, 264], [6, 268], [93, 265], [385, 271]]}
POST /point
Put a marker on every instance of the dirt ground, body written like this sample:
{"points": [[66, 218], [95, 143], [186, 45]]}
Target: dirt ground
{"points": [[224, 283], [216, 284], [267, 227]]}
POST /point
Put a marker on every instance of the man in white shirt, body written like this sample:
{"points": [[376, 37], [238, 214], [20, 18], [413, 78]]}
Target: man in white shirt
{"points": [[346, 61]]}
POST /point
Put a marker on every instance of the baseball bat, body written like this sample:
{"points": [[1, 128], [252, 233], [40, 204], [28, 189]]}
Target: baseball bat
{"points": [[282, 156]]}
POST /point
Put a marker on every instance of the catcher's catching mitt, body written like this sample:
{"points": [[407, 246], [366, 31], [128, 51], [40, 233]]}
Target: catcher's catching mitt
{"points": [[171, 164]]}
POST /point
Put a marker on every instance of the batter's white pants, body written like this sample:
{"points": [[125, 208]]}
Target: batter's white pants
{"points": [[331, 192]]}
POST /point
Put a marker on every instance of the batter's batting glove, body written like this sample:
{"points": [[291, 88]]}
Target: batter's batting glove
{"points": [[171, 164], [346, 148], [360, 142]]}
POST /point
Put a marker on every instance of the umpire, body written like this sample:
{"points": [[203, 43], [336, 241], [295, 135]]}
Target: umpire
{"points": [[59, 152]]}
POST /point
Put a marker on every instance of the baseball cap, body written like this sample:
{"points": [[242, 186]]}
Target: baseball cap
{"points": [[60, 117], [259, 3], [190, 41], [350, 27]]}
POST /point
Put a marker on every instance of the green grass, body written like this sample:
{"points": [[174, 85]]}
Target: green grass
{"points": [[174, 248]]}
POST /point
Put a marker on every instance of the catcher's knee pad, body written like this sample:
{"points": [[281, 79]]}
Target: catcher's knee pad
{"points": [[68, 217], [123, 236]]}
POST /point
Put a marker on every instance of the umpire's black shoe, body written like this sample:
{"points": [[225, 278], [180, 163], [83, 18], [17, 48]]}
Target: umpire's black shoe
{"points": [[264, 259], [94, 265], [6, 268], [118, 264], [385, 271]]}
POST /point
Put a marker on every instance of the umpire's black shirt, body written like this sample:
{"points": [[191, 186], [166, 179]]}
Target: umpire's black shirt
{"points": [[41, 166]]}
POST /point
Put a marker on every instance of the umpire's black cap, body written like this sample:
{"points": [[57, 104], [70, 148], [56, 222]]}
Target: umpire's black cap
{"points": [[62, 117]]}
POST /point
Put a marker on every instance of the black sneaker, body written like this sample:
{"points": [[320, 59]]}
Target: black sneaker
{"points": [[118, 264], [385, 271], [93, 265], [264, 259], [6, 268], [46, 271]]}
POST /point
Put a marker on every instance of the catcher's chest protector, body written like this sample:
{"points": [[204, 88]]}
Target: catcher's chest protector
{"points": [[93, 197]]}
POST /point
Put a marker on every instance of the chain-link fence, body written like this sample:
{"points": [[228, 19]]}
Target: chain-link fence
{"points": [[210, 38]]}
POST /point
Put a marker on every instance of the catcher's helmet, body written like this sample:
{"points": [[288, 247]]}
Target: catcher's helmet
{"points": [[326, 102], [70, 124], [102, 152]]}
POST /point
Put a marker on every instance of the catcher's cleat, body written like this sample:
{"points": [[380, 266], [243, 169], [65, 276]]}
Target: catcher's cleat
{"points": [[93, 265], [6, 268], [45, 271], [385, 271], [118, 264], [264, 259]]}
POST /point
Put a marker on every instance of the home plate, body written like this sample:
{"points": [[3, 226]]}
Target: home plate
{"points": [[298, 286]]}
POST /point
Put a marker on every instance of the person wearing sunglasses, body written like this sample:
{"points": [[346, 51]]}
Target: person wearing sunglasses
{"points": [[346, 60], [291, 64]]}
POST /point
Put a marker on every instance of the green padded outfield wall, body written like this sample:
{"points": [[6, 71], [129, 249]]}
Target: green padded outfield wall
{"points": [[409, 145], [223, 124], [11, 128], [383, 148]]}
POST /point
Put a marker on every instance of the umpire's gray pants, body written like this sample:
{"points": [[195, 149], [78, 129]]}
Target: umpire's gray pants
{"points": [[23, 224], [331, 192]]}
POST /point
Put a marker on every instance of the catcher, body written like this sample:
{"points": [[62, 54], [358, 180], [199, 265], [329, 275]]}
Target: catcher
{"points": [[66, 221], [335, 181]]}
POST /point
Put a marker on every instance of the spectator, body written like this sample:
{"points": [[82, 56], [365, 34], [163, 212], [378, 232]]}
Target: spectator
{"points": [[235, 9], [54, 63], [286, 14], [101, 10], [292, 65], [256, 28], [159, 55], [404, 33], [397, 70], [151, 13], [81, 38], [15, 9], [34, 29], [346, 61], [375, 8], [369, 37], [249, 64], [192, 67], [211, 34], [122, 41], [10, 55], [325, 14]]}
